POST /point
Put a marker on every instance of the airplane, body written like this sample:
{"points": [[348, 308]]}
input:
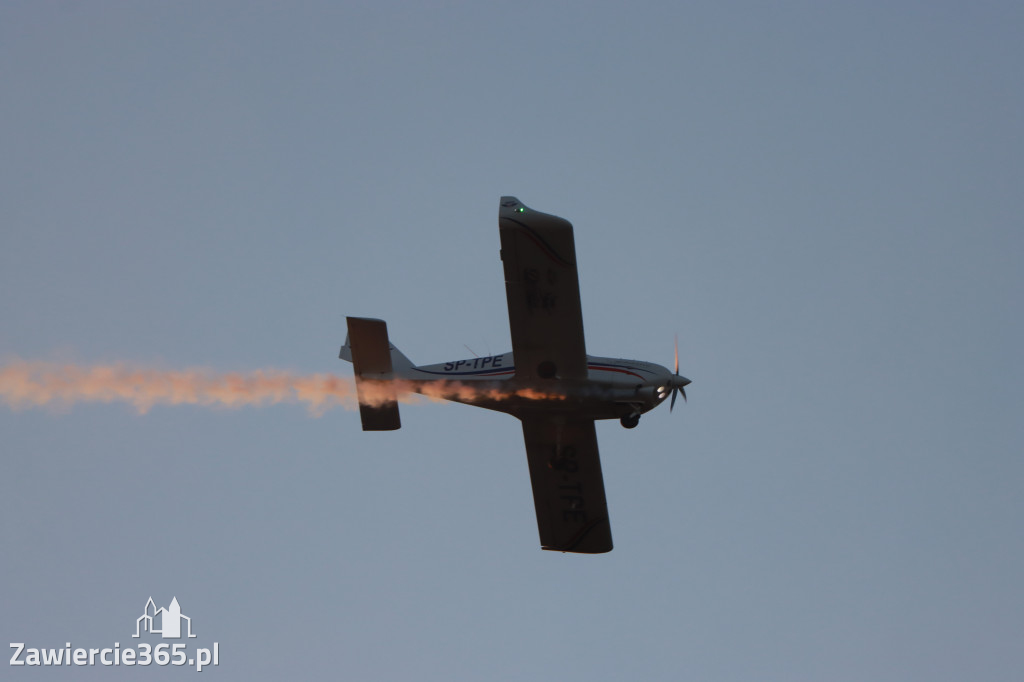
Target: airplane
{"points": [[547, 381]]}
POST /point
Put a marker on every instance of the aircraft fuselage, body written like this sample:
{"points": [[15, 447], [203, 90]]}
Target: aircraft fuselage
{"points": [[614, 387]]}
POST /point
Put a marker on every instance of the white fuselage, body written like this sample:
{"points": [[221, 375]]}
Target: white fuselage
{"points": [[614, 387]]}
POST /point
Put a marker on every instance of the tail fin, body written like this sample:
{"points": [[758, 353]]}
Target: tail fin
{"points": [[371, 353], [399, 363]]}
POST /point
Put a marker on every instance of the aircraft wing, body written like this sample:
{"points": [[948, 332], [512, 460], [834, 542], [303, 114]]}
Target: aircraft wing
{"points": [[539, 257], [568, 489]]}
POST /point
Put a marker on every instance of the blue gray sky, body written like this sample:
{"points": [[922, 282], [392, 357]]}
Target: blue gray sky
{"points": [[822, 200]]}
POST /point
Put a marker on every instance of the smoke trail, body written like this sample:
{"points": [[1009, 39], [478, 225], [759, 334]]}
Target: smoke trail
{"points": [[35, 384]]}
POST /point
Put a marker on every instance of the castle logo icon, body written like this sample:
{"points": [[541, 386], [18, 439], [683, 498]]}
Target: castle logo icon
{"points": [[168, 620]]}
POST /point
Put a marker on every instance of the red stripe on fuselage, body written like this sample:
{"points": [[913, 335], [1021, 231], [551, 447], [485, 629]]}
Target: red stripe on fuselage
{"points": [[600, 368], [614, 369]]}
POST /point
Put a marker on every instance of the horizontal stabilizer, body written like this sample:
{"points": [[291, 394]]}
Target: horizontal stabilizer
{"points": [[371, 357]]}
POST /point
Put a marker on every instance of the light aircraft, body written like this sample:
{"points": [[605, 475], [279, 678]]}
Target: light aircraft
{"points": [[548, 381]]}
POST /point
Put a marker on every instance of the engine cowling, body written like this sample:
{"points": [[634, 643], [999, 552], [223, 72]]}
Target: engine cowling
{"points": [[651, 395]]}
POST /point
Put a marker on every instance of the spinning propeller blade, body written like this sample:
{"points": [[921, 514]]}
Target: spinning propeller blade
{"points": [[678, 383]]}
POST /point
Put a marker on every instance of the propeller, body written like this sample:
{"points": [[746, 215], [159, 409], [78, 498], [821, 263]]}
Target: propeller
{"points": [[678, 383]]}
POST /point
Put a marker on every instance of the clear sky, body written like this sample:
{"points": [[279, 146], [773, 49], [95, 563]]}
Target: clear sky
{"points": [[822, 199]]}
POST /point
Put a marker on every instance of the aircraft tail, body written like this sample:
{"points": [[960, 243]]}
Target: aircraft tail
{"points": [[399, 362], [374, 358]]}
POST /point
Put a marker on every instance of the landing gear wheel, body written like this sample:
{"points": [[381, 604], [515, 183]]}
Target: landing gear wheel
{"points": [[630, 421]]}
